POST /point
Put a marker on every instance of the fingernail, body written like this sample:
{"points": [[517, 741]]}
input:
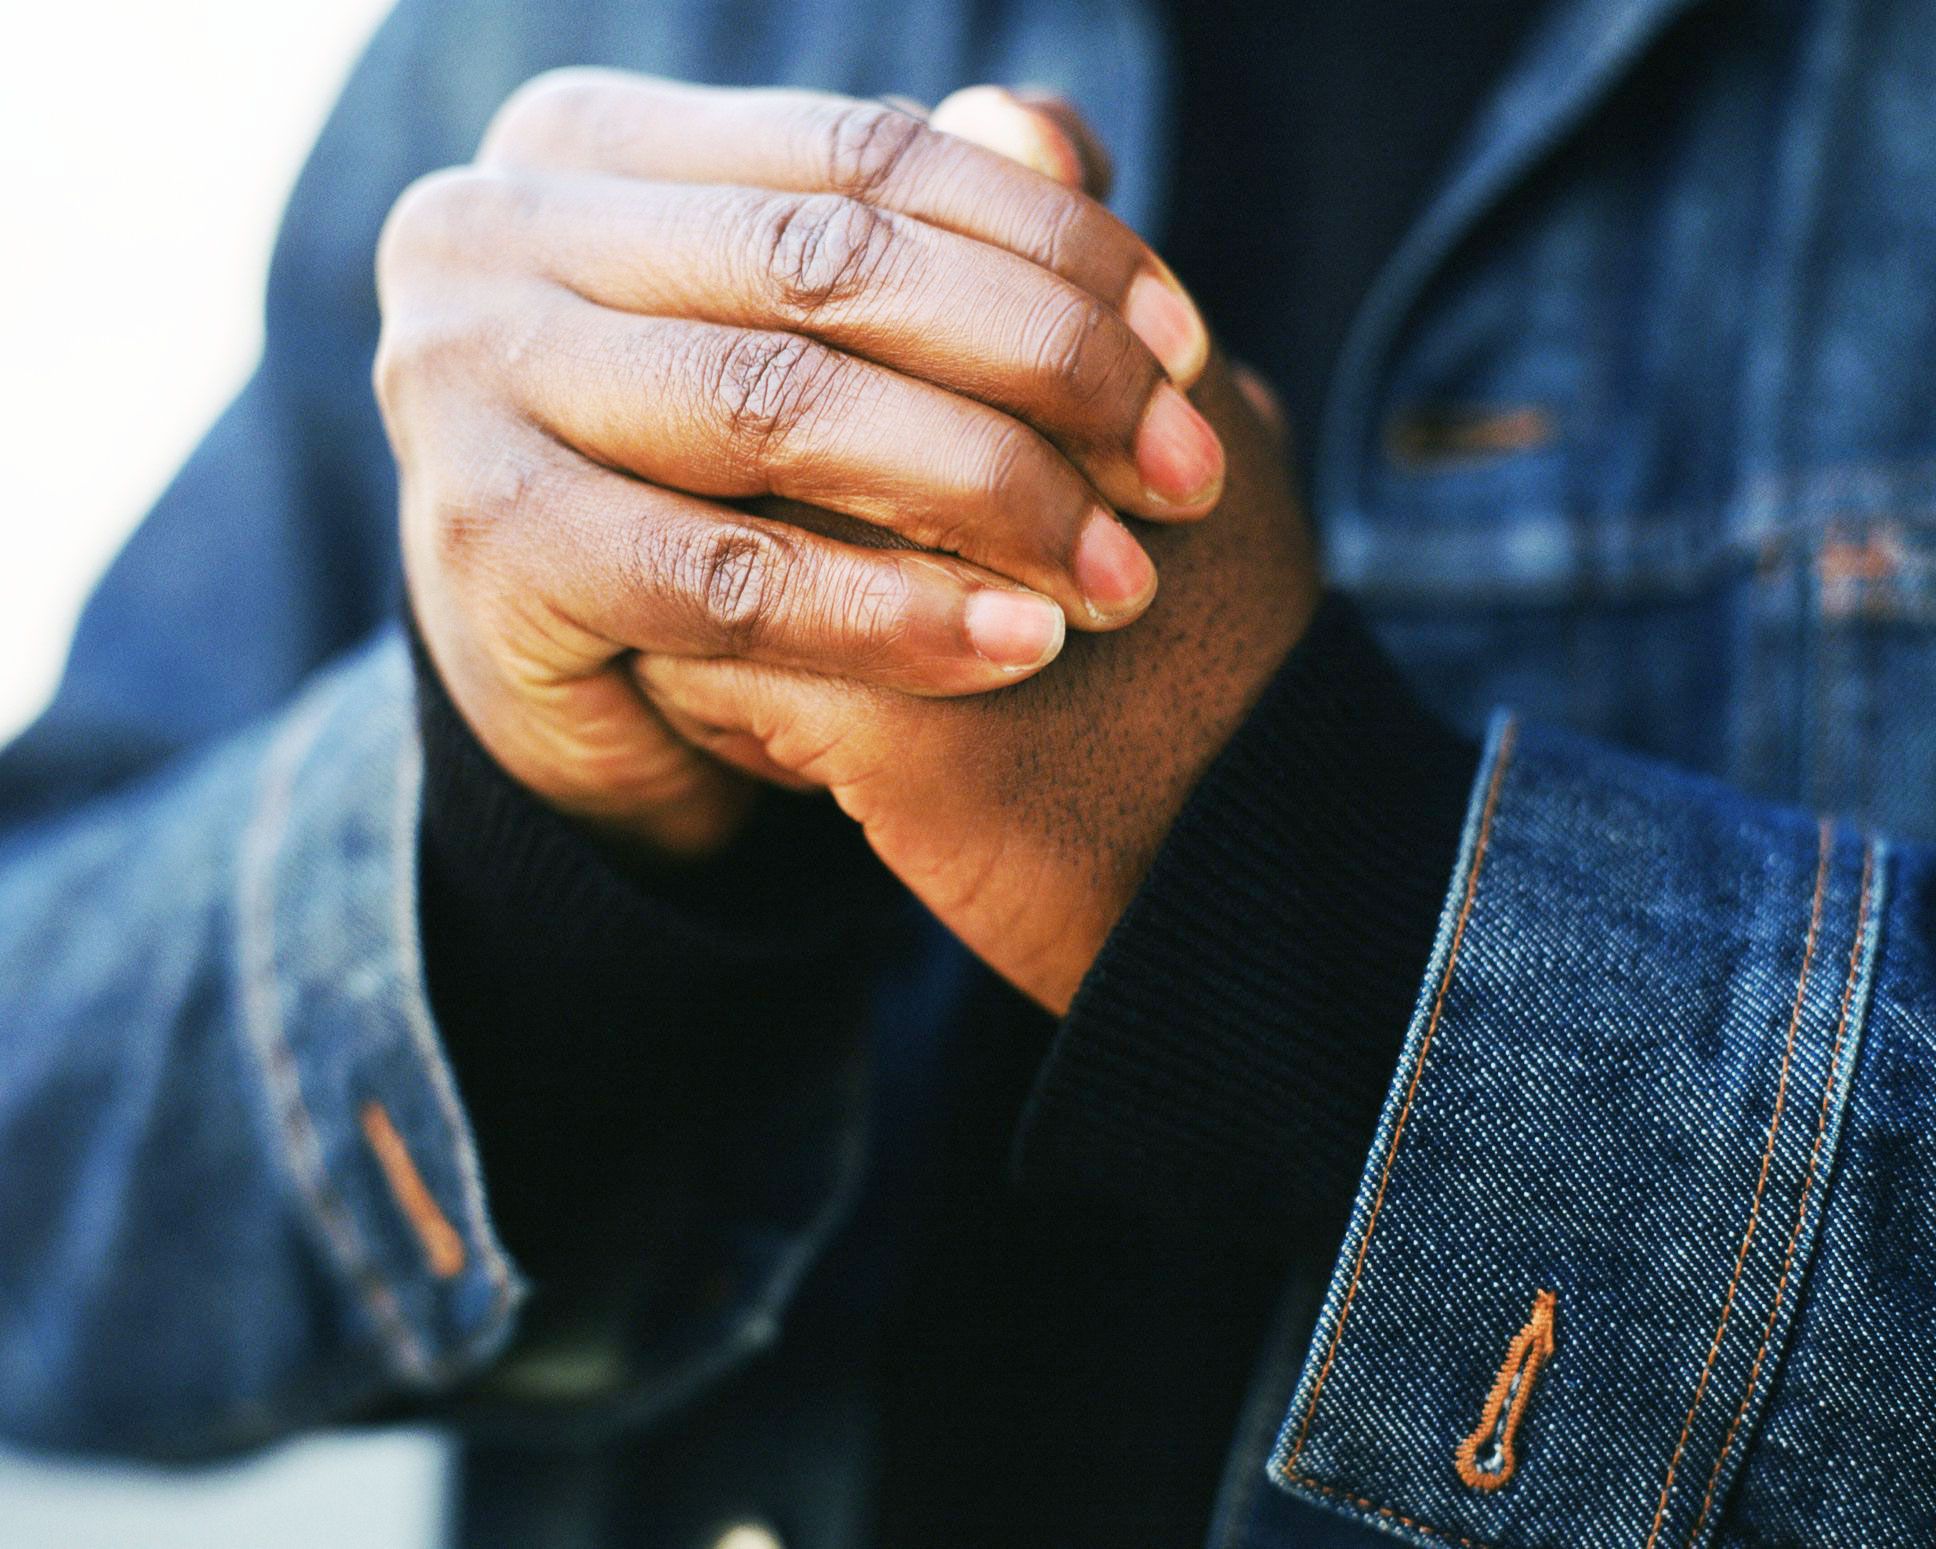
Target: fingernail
{"points": [[1164, 318], [1177, 453], [1115, 575], [1013, 630]]}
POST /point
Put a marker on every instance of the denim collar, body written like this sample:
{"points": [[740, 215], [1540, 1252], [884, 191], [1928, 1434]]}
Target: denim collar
{"points": [[1569, 64]]}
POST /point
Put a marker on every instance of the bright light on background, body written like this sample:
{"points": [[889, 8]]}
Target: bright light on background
{"points": [[146, 150]]}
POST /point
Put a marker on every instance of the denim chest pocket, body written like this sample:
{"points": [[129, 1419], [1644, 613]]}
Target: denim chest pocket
{"points": [[1651, 453], [1784, 639]]}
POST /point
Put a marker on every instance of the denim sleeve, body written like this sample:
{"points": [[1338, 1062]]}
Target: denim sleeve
{"points": [[1643, 1253], [238, 1193]]}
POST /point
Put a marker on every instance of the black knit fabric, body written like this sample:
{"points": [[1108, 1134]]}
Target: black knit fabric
{"points": [[1202, 1115], [1224, 1062], [599, 1010], [1220, 1071]]}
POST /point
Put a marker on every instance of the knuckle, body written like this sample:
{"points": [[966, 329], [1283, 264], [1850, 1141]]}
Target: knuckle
{"points": [[1066, 229], [439, 291], [822, 249], [513, 488], [1001, 468], [504, 493], [1076, 351], [738, 579], [544, 115], [389, 372], [463, 523], [866, 145], [873, 615], [459, 215], [461, 532], [423, 212], [449, 349], [766, 386], [409, 351]]}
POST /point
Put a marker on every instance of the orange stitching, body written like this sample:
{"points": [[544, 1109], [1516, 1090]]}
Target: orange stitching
{"points": [[1526, 1358], [1449, 433], [1826, 847], [1384, 1511], [443, 1248], [1425, 1047], [1808, 1184]]}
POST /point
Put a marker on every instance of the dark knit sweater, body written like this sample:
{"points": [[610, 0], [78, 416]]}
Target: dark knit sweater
{"points": [[1198, 1120], [1138, 1178]]}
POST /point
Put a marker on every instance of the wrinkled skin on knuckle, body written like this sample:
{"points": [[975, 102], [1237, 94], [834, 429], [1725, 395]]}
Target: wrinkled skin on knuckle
{"points": [[998, 511], [766, 385], [1077, 237], [426, 374], [867, 143], [1003, 470], [442, 352], [506, 500], [736, 579], [1078, 358], [459, 530], [1067, 229], [821, 250], [870, 614]]}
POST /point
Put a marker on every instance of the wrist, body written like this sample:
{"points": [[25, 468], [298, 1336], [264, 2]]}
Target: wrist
{"points": [[1120, 858], [1243, 1018]]}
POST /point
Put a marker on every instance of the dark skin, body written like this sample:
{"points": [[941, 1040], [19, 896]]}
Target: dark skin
{"points": [[1026, 818], [773, 434]]}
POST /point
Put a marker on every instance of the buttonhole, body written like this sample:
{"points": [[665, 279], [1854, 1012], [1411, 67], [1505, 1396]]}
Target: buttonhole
{"points": [[1489, 1456], [1431, 435], [443, 1248]]}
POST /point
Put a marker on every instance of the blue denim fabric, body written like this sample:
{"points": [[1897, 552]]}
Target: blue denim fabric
{"points": [[1727, 951], [202, 987], [1674, 1062]]}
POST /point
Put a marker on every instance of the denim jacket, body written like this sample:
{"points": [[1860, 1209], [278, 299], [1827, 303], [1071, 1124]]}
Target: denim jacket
{"points": [[1636, 435]]}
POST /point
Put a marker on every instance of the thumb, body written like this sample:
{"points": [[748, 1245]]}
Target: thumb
{"points": [[1039, 129]]}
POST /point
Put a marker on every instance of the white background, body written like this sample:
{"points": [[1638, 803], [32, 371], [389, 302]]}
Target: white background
{"points": [[146, 147]]}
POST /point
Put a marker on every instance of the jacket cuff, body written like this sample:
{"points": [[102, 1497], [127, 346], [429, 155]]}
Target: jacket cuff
{"points": [[356, 1090], [1242, 1021], [1579, 1241]]}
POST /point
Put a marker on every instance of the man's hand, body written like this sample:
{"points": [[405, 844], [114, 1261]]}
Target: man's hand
{"points": [[1027, 818], [648, 308]]}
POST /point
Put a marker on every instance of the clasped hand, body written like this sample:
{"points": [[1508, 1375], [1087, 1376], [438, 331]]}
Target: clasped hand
{"points": [[770, 434]]}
